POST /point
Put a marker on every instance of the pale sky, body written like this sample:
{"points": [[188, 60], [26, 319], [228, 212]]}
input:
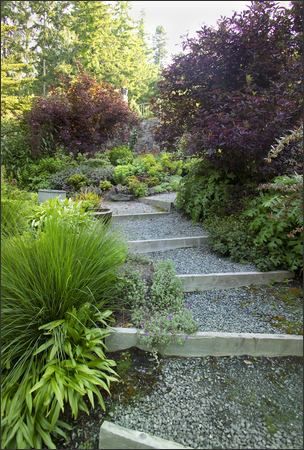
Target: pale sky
{"points": [[182, 17]]}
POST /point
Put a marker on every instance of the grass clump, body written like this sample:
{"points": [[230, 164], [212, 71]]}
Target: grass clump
{"points": [[57, 285]]}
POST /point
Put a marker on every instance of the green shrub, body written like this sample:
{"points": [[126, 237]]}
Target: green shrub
{"points": [[166, 289], [229, 236], [89, 200], [204, 192], [17, 207], [37, 174], [55, 290], [174, 182], [136, 187], [170, 165], [147, 161], [269, 232], [276, 223], [105, 185], [15, 147], [120, 155], [77, 181], [159, 309], [15, 216], [132, 290], [68, 211], [156, 171], [121, 173]]}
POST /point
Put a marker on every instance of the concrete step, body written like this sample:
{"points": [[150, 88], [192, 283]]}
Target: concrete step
{"points": [[226, 280], [161, 245], [120, 218], [165, 205], [112, 436], [213, 344]]}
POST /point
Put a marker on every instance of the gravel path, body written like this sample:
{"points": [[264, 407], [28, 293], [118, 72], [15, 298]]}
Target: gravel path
{"points": [[129, 207], [246, 310], [200, 260], [223, 403], [167, 226]]}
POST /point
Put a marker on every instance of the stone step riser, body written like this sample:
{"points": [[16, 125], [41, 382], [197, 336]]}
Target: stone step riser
{"points": [[161, 245], [203, 282], [213, 344], [112, 436], [120, 218]]}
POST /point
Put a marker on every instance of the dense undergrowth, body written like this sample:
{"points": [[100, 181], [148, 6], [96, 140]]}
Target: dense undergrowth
{"points": [[250, 223]]}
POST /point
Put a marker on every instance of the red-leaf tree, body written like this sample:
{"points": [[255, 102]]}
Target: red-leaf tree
{"points": [[82, 116], [236, 88]]}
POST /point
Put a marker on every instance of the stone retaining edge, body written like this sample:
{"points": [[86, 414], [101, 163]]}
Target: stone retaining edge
{"points": [[162, 204], [112, 436], [160, 245], [125, 217], [224, 280], [213, 344]]}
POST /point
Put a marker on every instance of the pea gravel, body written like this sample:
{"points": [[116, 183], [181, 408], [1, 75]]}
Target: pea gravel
{"points": [[245, 310], [167, 226], [200, 260], [222, 403]]}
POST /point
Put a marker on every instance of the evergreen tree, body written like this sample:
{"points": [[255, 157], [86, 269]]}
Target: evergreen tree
{"points": [[159, 45]]}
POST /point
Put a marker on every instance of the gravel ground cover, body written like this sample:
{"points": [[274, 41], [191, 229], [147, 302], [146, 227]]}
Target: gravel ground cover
{"points": [[221, 403], [200, 260], [269, 309], [129, 207], [168, 226]]}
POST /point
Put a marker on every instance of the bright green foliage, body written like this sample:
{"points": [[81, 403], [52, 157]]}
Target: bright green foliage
{"points": [[52, 343], [269, 232], [68, 366], [136, 187], [170, 164], [17, 207], [120, 155], [77, 181], [15, 216], [121, 173], [73, 213], [105, 185], [89, 200]]}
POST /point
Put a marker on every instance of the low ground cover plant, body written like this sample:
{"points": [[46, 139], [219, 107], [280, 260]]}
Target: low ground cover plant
{"points": [[156, 304]]}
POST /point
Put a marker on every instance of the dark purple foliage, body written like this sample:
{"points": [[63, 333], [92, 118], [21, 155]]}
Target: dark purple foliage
{"points": [[236, 88], [82, 116]]}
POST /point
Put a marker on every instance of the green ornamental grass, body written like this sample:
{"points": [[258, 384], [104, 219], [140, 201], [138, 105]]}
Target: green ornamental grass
{"points": [[56, 290]]}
